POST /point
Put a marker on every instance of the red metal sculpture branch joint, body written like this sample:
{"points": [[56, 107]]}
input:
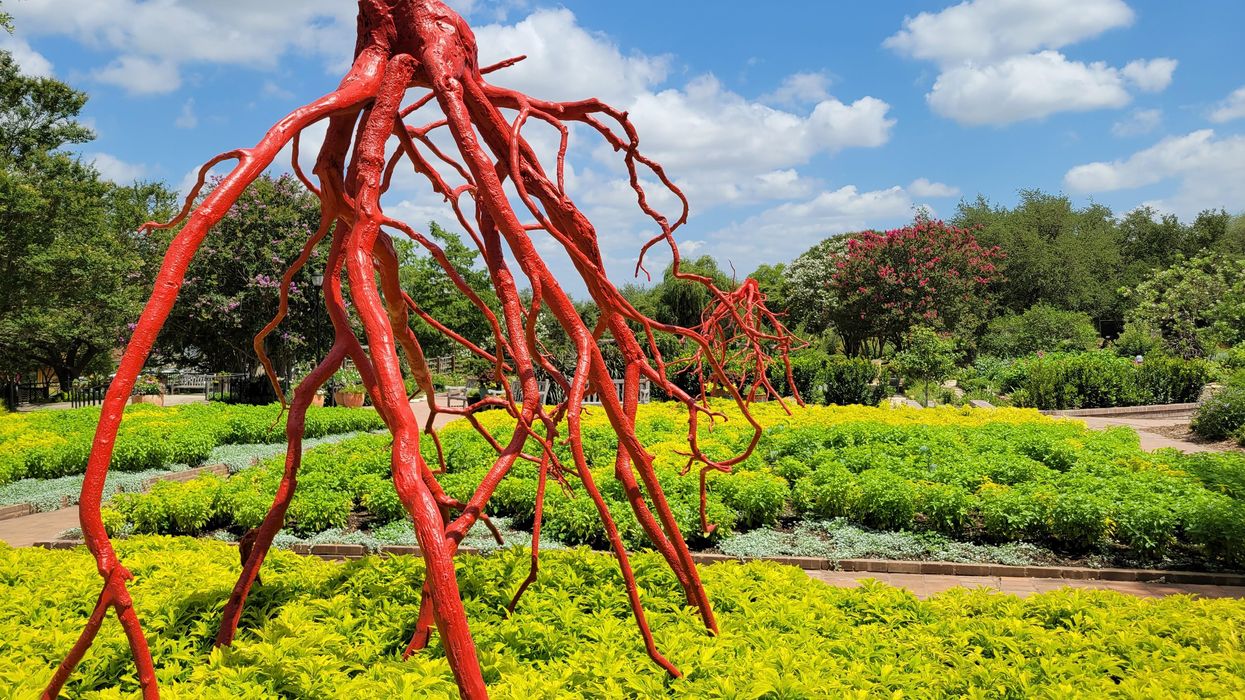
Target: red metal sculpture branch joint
{"points": [[423, 46]]}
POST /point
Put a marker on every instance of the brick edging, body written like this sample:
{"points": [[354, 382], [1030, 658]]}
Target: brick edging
{"points": [[878, 566], [1124, 410], [17, 510], [21, 510], [944, 568]]}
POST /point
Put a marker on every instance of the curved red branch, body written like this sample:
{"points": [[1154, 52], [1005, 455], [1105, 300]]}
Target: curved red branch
{"points": [[423, 45]]}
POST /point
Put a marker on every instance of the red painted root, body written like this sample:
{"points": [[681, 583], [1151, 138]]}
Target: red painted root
{"points": [[424, 46]]}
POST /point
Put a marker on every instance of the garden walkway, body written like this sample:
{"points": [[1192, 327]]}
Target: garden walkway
{"points": [[925, 585], [1145, 427], [29, 529]]}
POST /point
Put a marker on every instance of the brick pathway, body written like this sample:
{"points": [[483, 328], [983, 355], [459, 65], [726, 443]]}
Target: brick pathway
{"points": [[924, 585], [25, 531]]}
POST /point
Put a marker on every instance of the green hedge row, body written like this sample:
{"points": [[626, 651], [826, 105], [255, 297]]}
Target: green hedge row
{"points": [[830, 379], [318, 629], [997, 476], [354, 475], [1101, 379], [1055, 484], [49, 444]]}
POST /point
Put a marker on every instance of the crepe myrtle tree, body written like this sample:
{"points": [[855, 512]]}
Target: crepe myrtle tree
{"points": [[884, 284], [416, 84]]}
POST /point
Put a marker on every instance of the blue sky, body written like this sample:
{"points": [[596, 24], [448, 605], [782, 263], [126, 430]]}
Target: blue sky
{"points": [[784, 124]]}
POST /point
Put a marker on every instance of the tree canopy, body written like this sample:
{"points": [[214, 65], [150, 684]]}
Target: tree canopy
{"points": [[233, 284], [72, 271]]}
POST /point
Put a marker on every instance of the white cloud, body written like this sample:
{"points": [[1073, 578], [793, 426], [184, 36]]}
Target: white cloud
{"points": [[153, 40], [1153, 75], [999, 63], [800, 88], [922, 187], [141, 76], [1025, 87], [32, 62], [565, 61], [1230, 108], [989, 30], [1138, 122], [690, 247], [1210, 172], [113, 168], [706, 125], [790, 228], [187, 119]]}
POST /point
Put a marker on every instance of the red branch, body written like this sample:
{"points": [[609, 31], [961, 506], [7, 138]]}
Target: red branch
{"points": [[425, 46]]}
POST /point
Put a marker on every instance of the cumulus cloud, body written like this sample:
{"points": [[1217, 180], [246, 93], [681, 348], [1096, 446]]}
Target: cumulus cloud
{"points": [[553, 40], [1209, 171], [1153, 75], [153, 40], [706, 125], [790, 228], [922, 187], [1230, 108], [999, 62], [800, 88], [1025, 87], [139, 75], [31, 62], [113, 168], [989, 30], [723, 149], [1138, 122]]}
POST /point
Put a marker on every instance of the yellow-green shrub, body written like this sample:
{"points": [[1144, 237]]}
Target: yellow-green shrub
{"points": [[326, 630]]}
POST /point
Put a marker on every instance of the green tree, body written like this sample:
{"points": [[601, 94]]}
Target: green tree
{"points": [[232, 285], [72, 271], [772, 280], [927, 357], [1233, 241], [1067, 257], [681, 302], [1043, 328], [1195, 305], [429, 286], [37, 115]]}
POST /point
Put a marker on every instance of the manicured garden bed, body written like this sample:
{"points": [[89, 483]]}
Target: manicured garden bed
{"points": [[318, 629], [51, 444], [997, 485]]}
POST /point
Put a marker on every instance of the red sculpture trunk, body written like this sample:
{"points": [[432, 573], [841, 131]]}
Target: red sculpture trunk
{"points": [[423, 46]]}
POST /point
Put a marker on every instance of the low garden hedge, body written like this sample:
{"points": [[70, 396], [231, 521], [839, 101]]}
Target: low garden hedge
{"points": [[49, 444], [317, 629], [989, 476], [1101, 379]]}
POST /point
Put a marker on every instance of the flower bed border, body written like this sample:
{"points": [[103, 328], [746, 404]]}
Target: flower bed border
{"points": [[1159, 409], [20, 510], [879, 566]]}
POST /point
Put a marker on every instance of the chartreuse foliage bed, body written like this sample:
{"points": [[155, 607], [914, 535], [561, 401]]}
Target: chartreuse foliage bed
{"points": [[317, 629], [50, 444], [989, 476]]}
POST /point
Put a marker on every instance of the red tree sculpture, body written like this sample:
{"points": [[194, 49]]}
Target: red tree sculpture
{"points": [[422, 45]]}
